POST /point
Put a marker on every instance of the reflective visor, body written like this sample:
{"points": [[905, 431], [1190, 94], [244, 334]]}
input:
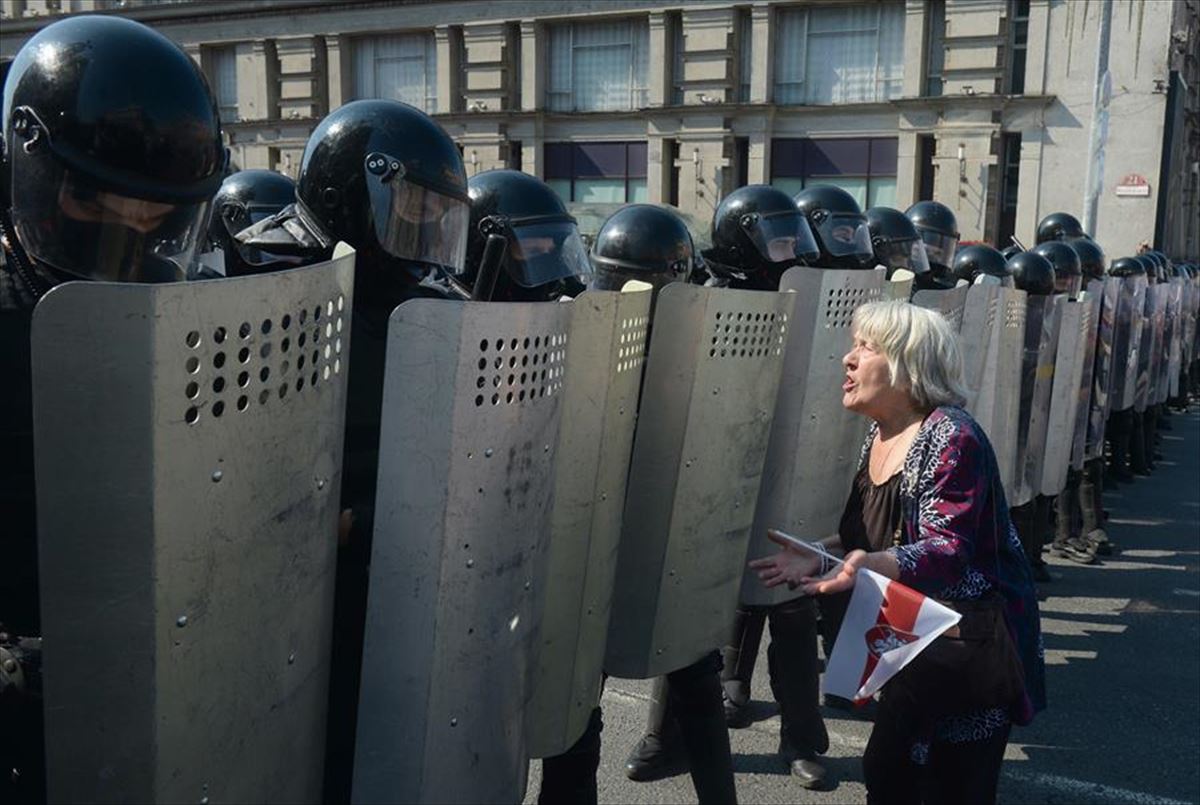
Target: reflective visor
{"points": [[783, 237], [413, 222], [1070, 284], [992, 279], [938, 247], [544, 251], [844, 235], [907, 254], [66, 221]]}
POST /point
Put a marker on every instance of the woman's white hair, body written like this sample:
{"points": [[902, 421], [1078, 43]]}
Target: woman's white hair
{"points": [[920, 347]]}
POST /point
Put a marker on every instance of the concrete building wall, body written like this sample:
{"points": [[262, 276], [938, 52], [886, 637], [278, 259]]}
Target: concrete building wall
{"points": [[708, 109]]}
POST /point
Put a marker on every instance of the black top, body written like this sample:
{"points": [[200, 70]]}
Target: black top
{"points": [[871, 519]]}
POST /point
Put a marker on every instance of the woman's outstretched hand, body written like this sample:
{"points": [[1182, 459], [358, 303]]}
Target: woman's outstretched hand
{"points": [[839, 579], [789, 566]]}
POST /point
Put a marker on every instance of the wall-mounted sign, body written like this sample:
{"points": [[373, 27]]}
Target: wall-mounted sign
{"points": [[1133, 185]]}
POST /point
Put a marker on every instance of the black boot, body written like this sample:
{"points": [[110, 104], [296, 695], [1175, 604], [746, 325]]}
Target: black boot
{"points": [[694, 694], [795, 682], [738, 664], [660, 753], [571, 777]]}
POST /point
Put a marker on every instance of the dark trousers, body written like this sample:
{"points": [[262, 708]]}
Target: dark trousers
{"points": [[1119, 432], [685, 708], [792, 665], [1032, 521], [1139, 460], [954, 774]]}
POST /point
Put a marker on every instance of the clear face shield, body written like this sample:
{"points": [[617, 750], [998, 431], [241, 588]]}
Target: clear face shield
{"points": [[65, 220], [846, 236], [544, 250], [938, 247], [783, 237], [906, 254], [1069, 284], [412, 221]]}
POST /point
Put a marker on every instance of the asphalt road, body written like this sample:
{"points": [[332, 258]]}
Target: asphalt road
{"points": [[1123, 664]]}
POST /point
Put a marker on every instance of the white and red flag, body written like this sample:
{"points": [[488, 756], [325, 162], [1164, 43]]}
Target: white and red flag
{"points": [[886, 626]]}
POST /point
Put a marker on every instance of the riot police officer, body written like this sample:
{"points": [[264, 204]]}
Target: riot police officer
{"points": [[538, 254], [1033, 274], [1144, 436], [897, 243], [1068, 274], [1058, 226], [839, 226], [1119, 430], [651, 244], [245, 198], [939, 231], [386, 179], [102, 177], [757, 234], [981, 264]]}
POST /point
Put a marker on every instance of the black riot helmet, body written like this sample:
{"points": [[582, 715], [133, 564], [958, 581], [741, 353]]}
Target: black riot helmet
{"points": [[939, 229], [542, 248], [757, 232], [244, 199], [1160, 264], [1068, 276], [980, 264], [1127, 267], [1011, 251], [385, 178], [896, 242], [839, 226], [1058, 226], [112, 152], [1032, 273], [1091, 258], [1149, 266], [642, 242]]}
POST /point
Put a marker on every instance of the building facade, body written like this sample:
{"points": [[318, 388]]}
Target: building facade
{"points": [[984, 105]]}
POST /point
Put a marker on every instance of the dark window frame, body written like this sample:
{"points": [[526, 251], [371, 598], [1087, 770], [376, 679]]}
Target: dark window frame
{"points": [[780, 145], [576, 150]]}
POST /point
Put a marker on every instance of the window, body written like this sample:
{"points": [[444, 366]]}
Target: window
{"points": [[935, 57], [223, 63], [597, 173], [839, 54], [1018, 42], [745, 40], [1010, 175], [676, 59], [598, 66], [865, 168], [927, 146], [401, 67]]}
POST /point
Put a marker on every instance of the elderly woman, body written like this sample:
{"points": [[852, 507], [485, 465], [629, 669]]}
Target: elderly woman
{"points": [[927, 508]]}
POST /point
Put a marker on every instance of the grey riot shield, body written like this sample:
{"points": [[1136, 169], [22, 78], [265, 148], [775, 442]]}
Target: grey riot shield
{"points": [[1093, 298], [605, 354], [189, 442], [992, 340], [1037, 378], [1174, 349], [1074, 322], [471, 407], [1100, 405], [708, 399], [1156, 319], [800, 494], [900, 286], [1127, 339], [949, 303]]}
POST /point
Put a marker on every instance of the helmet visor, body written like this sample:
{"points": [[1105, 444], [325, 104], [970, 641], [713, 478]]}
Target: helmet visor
{"points": [[782, 238], [67, 221], [545, 251], [939, 247], [413, 222], [992, 279], [1070, 284], [906, 254], [846, 235]]}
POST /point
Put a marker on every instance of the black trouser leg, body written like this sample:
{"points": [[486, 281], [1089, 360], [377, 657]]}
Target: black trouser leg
{"points": [[694, 694], [888, 770], [741, 653], [1118, 430], [965, 772], [1137, 446], [795, 675], [1023, 517], [1149, 434], [571, 777]]}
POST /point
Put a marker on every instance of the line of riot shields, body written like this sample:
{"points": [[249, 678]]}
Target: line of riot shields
{"points": [[370, 508]]}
